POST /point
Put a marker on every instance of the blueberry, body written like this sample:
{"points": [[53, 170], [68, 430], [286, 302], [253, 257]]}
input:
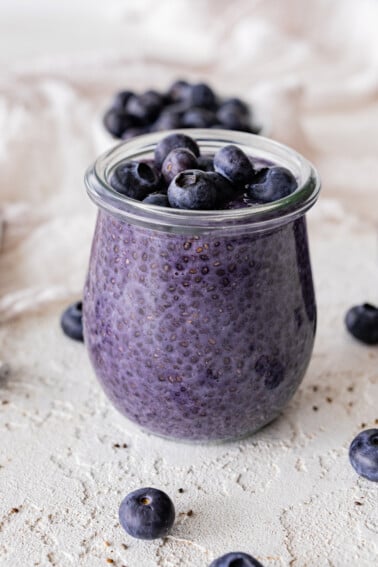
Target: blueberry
{"points": [[234, 114], [231, 162], [202, 95], [116, 122], [159, 199], [363, 454], [198, 118], [236, 559], [253, 129], [232, 120], [167, 121], [362, 323], [147, 513], [224, 188], [192, 189], [205, 163], [171, 142], [71, 321], [219, 126], [237, 106], [271, 184], [135, 131], [176, 161], [179, 90], [145, 107], [171, 117], [135, 179], [120, 100]]}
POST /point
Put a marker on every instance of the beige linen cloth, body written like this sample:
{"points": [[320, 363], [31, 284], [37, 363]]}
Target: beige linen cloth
{"points": [[310, 69]]}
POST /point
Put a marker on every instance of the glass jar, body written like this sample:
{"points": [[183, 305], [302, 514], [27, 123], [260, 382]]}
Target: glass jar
{"points": [[200, 324]]}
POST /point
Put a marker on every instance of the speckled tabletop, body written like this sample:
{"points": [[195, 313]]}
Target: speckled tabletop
{"points": [[288, 494]]}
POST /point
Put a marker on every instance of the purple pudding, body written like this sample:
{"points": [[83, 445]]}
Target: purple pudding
{"points": [[200, 324]]}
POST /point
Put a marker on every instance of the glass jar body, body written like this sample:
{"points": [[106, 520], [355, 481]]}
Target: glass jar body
{"points": [[199, 336]]}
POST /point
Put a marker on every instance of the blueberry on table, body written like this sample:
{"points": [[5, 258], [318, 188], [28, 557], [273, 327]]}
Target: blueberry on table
{"points": [[135, 131], [176, 161], [231, 162], [159, 199], [362, 322], [145, 107], [135, 179], [235, 105], [171, 142], [147, 513], [179, 90], [271, 184], [363, 454], [236, 559], [117, 121], [197, 117], [192, 189], [202, 95], [167, 121], [234, 114], [232, 120], [120, 100], [71, 321], [170, 117]]}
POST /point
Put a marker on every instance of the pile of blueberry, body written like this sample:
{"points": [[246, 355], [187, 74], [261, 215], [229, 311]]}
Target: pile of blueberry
{"points": [[149, 513], [184, 105], [181, 178]]}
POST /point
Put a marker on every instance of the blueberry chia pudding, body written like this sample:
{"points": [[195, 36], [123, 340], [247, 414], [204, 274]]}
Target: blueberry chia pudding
{"points": [[199, 309]]}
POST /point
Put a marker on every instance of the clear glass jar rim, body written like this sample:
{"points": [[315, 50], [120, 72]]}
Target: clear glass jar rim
{"points": [[259, 217]]}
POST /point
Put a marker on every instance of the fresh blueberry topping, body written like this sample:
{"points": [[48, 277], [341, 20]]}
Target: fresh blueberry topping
{"points": [[135, 179], [362, 323], [171, 142], [363, 454], [145, 107], [202, 95], [224, 188], [231, 162], [116, 122], [147, 513], [192, 189], [71, 321], [236, 559], [176, 161], [120, 100], [206, 163], [159, 199], [271, 184], [198, 118]]}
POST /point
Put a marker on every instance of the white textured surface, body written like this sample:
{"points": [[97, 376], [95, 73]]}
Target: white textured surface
{"points": [[288, 494]]}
